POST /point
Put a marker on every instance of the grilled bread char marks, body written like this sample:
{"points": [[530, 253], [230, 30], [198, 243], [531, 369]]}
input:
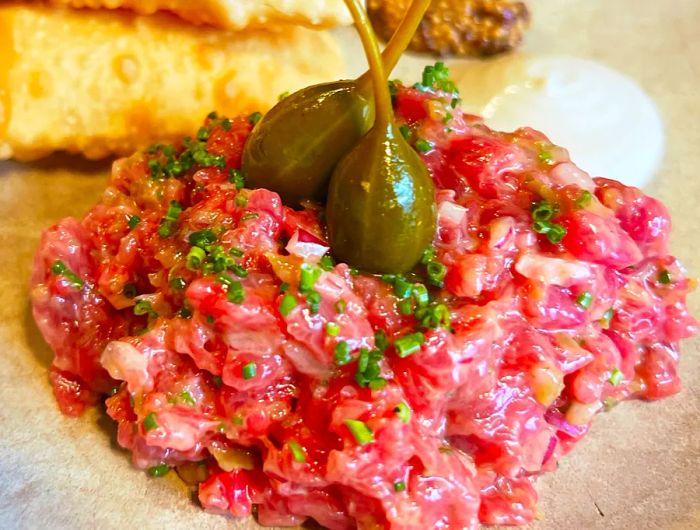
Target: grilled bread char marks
{"points": [[457, 27], [101, 83], [235, 14]]}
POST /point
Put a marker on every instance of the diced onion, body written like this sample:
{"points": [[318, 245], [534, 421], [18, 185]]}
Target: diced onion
{"points": [[306, 245], [451, 212], [553, 271], [567, 173], [125, 363]]}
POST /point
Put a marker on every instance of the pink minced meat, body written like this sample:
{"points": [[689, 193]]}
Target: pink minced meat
{"points": [[559, 299]]}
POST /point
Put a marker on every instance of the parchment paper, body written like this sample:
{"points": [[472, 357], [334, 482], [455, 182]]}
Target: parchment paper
{"points": [[639, 468]]}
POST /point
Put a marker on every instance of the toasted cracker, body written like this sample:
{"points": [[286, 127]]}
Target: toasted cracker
{"points": [[101, 83], [235, 14]]}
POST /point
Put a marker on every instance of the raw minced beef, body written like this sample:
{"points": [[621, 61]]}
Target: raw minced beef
{"points": [[235, 351]]}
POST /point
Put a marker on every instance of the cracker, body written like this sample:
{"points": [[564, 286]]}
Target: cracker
{"points": [[102, 83]]}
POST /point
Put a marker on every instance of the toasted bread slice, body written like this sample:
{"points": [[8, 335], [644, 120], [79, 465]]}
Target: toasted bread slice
{"points": [[101, 83], [235, 14]]}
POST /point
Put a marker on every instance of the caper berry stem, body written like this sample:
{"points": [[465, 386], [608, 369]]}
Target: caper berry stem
{"points": [[400, 40], [382, 98]]}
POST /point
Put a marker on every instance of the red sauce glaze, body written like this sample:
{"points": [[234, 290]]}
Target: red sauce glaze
{"points": [[241, 374]]}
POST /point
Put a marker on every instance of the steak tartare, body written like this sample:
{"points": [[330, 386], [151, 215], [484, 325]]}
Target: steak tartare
{"points": [[230, 347]]}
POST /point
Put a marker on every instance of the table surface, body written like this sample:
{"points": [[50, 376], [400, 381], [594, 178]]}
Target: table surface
{"points": [[640, 466]]}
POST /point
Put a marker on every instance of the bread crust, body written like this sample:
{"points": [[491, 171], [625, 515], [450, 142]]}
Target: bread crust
{"points": [[104, 83], [235, 14]]}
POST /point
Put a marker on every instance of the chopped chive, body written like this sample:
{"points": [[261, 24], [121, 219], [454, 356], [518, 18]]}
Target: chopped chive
{"points": [[287, 304], [405, 131], [409, 344], [341, 354], [585, 299], [377, 384], [434, 316], [174, 211], [362, 434], [133, 221], [327, 263], [403, 412], [556, 233], [309, 276], [241, 201], [420, 295], [254, 118], [249, 216], [543, 211], [406, 307], [380, 341], [402, 288], [236, 293], [615, 377], [545, 157], [399, 486], [283, 95], [178, 284], [363, 360], [392, 89], [389, 278], [249, 370], [203, 134], [437, 77], [584, 199], [607, 318], [195, 258], [332, 329], [237, 252], [154, 168], [423, 146], [297, 451], [664, 277], [236, 177], [165, 229], [340, 306], [429, 254], [144, 307], [217, 381], [150, 422], [436, 274], [159, 471], [61, 269], [185, 312], [284, 287], [202, 238], [226, 124], [238, 270], [223, 279], [542, 227], [187, 398], [314, 300]]}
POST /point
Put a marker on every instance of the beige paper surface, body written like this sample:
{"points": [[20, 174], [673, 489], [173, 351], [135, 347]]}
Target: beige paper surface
{"points": [[638, 469]]}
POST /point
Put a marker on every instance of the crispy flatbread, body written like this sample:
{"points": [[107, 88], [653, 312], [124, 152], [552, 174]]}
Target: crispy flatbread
{"points": [[101, 83], [235, 14]]}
